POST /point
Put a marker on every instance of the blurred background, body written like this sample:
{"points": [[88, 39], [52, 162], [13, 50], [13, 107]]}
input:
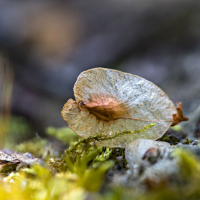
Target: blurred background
{"points": [[45, 45]]}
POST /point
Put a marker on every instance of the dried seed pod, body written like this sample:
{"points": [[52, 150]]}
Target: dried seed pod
{"points": [[110, 102]]}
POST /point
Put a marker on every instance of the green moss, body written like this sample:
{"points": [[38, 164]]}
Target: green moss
{"points": [[19, 129], [8, 168], [42, 186], [189, 164], [105, 155], [177, 128], [36, 147], [91, 140], [89, 166], [39, 182], [107, 137], [66, 135], [80, 173]]}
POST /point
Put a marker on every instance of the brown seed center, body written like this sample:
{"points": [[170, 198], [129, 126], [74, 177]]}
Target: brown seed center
{"points": [[105, 108]]}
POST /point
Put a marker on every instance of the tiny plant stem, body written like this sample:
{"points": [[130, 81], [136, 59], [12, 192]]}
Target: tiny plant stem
{"points": [[145, 120], [96, 138]]}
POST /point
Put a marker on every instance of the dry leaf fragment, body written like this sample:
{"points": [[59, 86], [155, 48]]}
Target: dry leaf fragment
{"points": [[179, 117], [110, 102], [8, 157]]}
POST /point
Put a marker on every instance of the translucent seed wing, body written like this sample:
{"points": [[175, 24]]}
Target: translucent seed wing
{"points": [[145, 103]]}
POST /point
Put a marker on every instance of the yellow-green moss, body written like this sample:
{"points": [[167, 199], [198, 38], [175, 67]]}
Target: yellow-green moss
{"points": [[36, 147], [66, 135]]}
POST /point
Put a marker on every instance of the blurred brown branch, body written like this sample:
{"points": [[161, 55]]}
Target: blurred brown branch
{"points": [[6, 87]]}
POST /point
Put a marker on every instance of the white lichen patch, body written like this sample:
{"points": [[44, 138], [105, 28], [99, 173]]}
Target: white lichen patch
{"points": [[136, 150]]}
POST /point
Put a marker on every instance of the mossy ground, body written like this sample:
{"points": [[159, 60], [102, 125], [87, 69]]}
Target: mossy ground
{"points": [[85, 171]]}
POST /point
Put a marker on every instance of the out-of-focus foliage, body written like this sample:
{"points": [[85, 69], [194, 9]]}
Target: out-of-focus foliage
{"points": [[19, 129], [177, 128], [66, 135], [40, 184], [82, 180], [81, 171], [6, 87], [188, 180], [36, 147], [94, 174], [73, 182]]}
